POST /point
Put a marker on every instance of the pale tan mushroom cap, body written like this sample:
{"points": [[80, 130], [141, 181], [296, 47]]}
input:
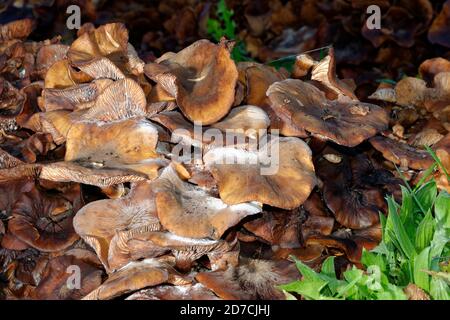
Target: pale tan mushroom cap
{"points": [[189, 211], [286, 184]]}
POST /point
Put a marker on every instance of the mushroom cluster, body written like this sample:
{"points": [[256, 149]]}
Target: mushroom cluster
{"points": [[123, 170]]}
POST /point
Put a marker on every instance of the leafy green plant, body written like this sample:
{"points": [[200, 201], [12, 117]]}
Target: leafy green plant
{"points": [[414, 250], [225, 26]]}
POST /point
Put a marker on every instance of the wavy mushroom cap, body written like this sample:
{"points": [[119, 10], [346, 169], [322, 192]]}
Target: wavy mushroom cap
{"points": [[346, 123], [11, 100], [61, 75], [19, 29], [402, 153], [128, 142], [283, 180], [106, 41], [202, 78], [56, 277], [179, 203], [123, 99], [48, 55], [132, 277], [43, 221], [98, 222]]}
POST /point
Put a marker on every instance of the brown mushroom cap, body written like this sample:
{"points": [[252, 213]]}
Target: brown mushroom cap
{"points": [[287, 188], [132, 277], [128, 142], [122, 99], [61, 75], [19, 29], [202, 78], [109, 40], [54, 281], [438, 32], [98, 221], [401, 153], [48, 55], [179, 203], [347, 123], [11, 100], [43, 221]]}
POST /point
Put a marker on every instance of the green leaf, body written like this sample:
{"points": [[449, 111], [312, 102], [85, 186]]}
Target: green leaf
{"points": [[442, 210], [421, 263], [328, 267], [439, 290], [372, 259], [309, 289], [398, 231], [426, 195], [425, 232]]}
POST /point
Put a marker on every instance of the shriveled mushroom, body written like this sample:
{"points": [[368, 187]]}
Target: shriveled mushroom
{"points": [[284, 179], [347, 123], [43, 221], [179, 202], [202, 78]]}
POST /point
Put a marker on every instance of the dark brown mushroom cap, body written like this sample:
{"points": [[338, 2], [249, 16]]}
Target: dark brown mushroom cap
{"points": [[286, 184], [179, 203], [439, 30], [48, 55], [55, 282], [347, 123], [132, 277], [401, 153], [19, 29], [202, 78], [351, 243], [43, 221], [318, 219], [279, 228], [11, 100], [165, 292], [252, 279], [442, 149]]}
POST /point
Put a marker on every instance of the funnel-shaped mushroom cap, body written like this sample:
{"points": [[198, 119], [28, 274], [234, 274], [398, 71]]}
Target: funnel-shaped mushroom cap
{"points": [[132, 277], [98, 221], [129, 141], [402, 153], [106, 41], [101, 68], [123, 99], [189, 211], [202, 78], [42, 221], [345, 122], [252, 279], [284, 179]]}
